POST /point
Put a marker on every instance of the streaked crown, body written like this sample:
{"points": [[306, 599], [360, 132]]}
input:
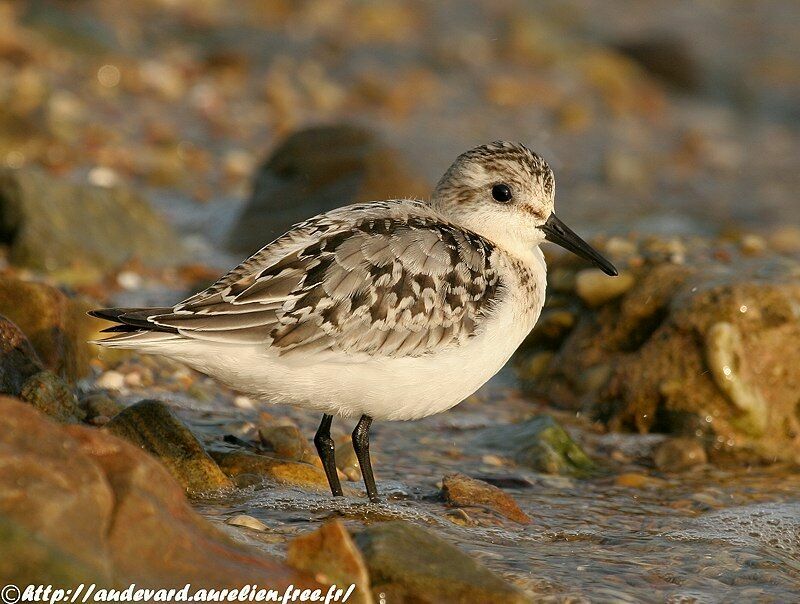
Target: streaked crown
{"points": [[503, 191]]}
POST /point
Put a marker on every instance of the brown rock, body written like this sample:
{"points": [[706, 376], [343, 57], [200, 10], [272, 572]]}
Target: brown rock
{"points": [[282, 471], [696, 344], [155, 536], [286, 441], [78, 504], [410, 564], [50, 487], [330, 554], [462, 491], [152, 426], [347, 460], [677, 454], [18, 359], [316, 170], [52, 224], [100, 405], [56, 325], [51, 395]]}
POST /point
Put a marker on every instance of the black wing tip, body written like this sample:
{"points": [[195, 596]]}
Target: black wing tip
{"points": [[131, 319], [109, 314]]}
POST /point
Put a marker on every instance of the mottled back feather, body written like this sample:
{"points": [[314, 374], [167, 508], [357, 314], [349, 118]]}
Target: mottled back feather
{"points": [[383, 279]]}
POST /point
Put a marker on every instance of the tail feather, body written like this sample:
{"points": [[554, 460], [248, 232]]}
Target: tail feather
{"points": [[133, 329], [132, 319]]}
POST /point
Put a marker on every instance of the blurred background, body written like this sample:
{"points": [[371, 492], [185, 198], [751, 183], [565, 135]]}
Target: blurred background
{"points": [[657, 116], [643, 444]]}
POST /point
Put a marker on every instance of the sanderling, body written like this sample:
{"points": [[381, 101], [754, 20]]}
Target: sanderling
{"points": [[389, 310]]}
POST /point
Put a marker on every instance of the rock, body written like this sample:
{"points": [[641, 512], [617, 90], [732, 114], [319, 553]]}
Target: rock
{"points": [[539, 443], [595, 288], [316, 170], [462, 491], [18, 359], [26, 558], [535, 365], [331, 556], [635, 480], [52, 224], [57, 326], [247, 522], [100, 405], [151, 425], [50, 488], [409, 564], [282, 471], [552, 327], [79, 505], [347, 461], [704, 348], [666, 57], [49, 394], [678, 454], [786, 239], [286, 441], [111, 380], [732, 374]]}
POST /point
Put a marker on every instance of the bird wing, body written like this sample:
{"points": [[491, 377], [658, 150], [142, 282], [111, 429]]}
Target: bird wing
{"points": [[384, 279]]}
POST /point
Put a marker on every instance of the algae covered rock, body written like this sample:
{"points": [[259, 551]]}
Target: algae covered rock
{"points": [[410, 564], [152, 426], [18, 359], [704, 343], [50, 394], [52, 224], [539, 443]]}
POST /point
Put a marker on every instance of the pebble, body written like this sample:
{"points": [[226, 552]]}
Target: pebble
{"points": [[677, 454], [596, 288], [99, 405], [347, 462], [111, 380], [246, 521], [634, 480], [459, 517], [463, 491], [244, 402], [286, 441], [539, 443], [753, 244]]}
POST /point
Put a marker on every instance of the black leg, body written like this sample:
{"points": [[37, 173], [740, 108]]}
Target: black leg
{"points": [[327, 453], [361, 447]]}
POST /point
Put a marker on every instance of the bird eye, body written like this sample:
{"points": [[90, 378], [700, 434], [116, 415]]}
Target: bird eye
{"points": [[501, 192]]}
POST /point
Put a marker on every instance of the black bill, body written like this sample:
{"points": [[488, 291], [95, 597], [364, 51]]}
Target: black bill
{"points": [[558, 232]]}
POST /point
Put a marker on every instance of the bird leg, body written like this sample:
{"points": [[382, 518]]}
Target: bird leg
{"points": [[327, 453], [361, 447]]}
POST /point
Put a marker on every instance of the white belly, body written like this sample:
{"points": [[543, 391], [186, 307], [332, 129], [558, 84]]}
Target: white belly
{"points": [[384, 388]]}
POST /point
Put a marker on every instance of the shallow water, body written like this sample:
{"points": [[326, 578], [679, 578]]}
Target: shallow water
{"points": [[709, 535]]}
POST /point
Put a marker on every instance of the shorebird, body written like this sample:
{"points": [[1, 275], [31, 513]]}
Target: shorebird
{"points": [[391, 310]]}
